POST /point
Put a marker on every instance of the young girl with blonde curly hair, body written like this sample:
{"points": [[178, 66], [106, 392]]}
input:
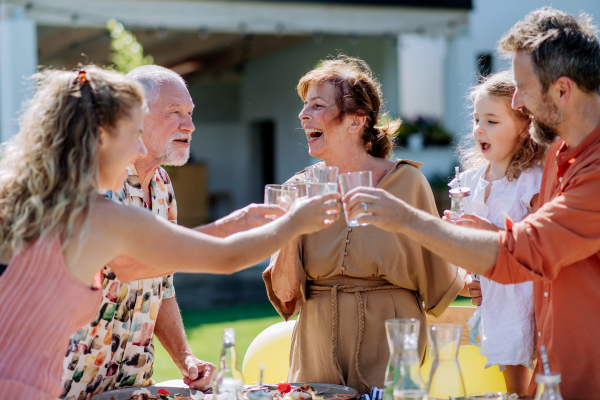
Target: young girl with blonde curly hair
{"points": [[503, 170]]}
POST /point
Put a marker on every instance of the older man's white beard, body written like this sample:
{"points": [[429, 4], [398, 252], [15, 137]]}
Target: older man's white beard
{"points": [[174, 157]]}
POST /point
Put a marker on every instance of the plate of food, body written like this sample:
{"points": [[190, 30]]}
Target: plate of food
{"points": [[151, 393], [306, 391]]}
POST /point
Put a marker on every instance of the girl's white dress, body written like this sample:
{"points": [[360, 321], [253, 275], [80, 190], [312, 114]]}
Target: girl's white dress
{"points": [[507, 326]]}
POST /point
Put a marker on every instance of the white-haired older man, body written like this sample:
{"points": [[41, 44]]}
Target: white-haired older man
{"points": [[116, 350]]}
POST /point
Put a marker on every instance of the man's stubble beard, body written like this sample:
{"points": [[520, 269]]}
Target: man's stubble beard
{"points": [[543, 126], [174, 157]]}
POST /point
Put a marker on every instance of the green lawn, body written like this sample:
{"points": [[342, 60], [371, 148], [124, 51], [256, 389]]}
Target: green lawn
{"points": [[204, 330]]}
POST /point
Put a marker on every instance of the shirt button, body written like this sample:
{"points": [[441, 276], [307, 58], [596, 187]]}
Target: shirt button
{"points": [[347, 240], [539, 334], [343, 268], [545, 294], [345, 253], [560, 179], [349, 229]]}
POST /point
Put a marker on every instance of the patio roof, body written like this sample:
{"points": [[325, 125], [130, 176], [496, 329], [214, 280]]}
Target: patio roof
{"points": [[259, 17], [458, 4]]}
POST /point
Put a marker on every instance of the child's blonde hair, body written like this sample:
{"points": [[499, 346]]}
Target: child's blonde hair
{"points": [[527, 153]]}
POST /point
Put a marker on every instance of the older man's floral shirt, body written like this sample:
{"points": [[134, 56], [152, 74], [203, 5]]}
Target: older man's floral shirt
{"points": [[116, 350]]}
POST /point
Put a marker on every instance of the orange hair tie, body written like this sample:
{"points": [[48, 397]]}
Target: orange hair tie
{"points": [[82, 77]]}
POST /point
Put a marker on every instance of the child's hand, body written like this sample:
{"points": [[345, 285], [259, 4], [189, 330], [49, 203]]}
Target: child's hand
{"points": [[475, 292], [472, 221]]}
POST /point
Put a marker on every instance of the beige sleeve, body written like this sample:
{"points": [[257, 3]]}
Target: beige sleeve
{"points": [[294, 293], [439, 281]]}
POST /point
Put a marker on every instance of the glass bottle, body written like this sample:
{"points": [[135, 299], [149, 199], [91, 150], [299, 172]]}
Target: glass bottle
{"points": [[548, 387], [446, 381], [228, 383], [457, 196], [397, 330], [410, 385]]}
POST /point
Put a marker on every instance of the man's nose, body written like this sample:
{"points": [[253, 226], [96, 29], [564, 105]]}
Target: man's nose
{"points": [[517, 100], [187, 125]]}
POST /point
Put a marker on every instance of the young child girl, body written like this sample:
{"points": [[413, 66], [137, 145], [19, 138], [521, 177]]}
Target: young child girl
{"points": [[504, 174]]}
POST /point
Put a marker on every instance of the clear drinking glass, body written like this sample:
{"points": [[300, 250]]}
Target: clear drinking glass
{"points": [[445, 379], [281, 195], [351, 180], [322, 173], [318, 189], [403, 377], [301, 185]]}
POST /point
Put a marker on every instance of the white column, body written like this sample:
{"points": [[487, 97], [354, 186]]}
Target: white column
{"points": [[18, 61], [421, 62]]}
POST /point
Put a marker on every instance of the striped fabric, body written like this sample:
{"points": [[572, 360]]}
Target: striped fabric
{"points": [[41, 305]]}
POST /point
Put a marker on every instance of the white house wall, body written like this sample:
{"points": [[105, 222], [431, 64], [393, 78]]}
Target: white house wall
{"points": [[268, 92], [488, 21]]}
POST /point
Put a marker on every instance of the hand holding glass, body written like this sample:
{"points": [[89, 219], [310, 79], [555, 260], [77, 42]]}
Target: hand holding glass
{"points": [[349, 181], [318, 189], [280, 195]]}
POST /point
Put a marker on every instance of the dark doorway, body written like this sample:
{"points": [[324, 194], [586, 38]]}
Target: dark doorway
{"points": [[484, 65], [263, 157]]}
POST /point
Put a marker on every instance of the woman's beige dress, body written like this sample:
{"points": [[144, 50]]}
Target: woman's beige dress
{"points": [[352, 280]]}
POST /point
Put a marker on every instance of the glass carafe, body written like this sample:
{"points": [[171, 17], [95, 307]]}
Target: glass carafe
{"points": [[410, 385], [397, 330], [548, 387], [445, 379]]}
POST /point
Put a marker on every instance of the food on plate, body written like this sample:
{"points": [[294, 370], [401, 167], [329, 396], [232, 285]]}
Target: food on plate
{"points": [[286, 392], [304, 392], [162, 394], [284, 387]]}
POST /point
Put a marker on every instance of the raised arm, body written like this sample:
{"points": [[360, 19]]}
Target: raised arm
{"points": [[251, 216], [156, 242], [473, 250]]}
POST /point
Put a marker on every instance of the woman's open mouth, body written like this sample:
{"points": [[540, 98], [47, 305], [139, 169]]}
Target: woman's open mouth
{"points": [[484, 146], [313, 134]]}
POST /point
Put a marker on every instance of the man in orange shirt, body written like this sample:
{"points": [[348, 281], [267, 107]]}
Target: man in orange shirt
{"points": [[556, 64]]}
